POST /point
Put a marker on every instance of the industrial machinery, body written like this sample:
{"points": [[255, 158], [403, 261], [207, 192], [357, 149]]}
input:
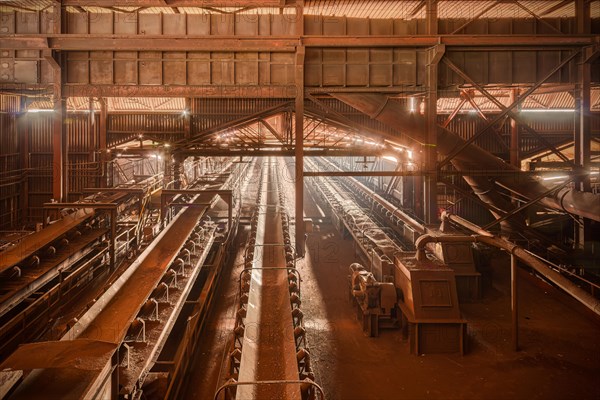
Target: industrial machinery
{"points": [[429, 304], [379, 246], [376, 301], [397, 289]]}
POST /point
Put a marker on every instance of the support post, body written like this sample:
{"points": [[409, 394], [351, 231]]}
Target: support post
{"points": [[514, 302], [58, 152], [582, 16], [187, 117], [23, 127], [113, 238], [102, 135], [58, 145], [515, 159], [582, 138], [430, 208], [431, 17], [299, 150]]}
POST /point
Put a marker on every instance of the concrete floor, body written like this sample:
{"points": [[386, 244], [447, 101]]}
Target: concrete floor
{"points": [[559, 356]]}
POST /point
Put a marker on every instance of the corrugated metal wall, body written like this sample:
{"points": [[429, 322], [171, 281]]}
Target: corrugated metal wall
{"points": [[211, 113], [82, 134], [10, 170], [35, 131], [123, 128], [39, 131]]}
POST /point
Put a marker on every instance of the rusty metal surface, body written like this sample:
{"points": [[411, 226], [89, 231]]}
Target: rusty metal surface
{"points": [[269, 350], [83, 354], [112, 324], [38, 240], [15, 289], [73, 364]]}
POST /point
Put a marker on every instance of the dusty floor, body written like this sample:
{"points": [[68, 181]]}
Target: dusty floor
{"points": [[559, 356]]}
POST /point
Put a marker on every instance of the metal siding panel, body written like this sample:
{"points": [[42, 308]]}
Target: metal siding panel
{"points": [[174, 24], [222, 24], [199, 24], [101, 23], [150, 24], [125, 24]]}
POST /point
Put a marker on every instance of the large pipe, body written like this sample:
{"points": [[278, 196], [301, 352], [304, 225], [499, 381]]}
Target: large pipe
{"points": [[472, 157], [526, 257]]}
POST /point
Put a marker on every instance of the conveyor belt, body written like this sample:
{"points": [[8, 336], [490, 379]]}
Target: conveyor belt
{"points": [[269, 350], [38, 240], [113, 320], [14, 290]]}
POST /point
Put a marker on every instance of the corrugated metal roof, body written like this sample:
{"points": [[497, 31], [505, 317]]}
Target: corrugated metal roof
{"points": [[384, 9], [36, 5], [116, 104], [446, 9], [150, 104], [595, 100], [542, 101], [361, 8]]}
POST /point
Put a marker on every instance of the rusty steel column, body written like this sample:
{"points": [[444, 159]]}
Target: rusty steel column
{"points": [[431, 17], [582, 138], [514, 304], [102, 134], [113, 238], [515, 139], [58, 155], [582, 16], [430, 208], [187, 117], [23, 130], [299, 150]]}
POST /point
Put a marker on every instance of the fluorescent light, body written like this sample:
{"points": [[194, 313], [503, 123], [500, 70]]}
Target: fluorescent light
{"points": [[553, 178], [409, 154], [543, 110], [412, 103], [39, 110], [390, 158]]}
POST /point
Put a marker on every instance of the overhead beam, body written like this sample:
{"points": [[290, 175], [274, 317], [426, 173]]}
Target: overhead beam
{"points": [[181, 3], [364, 173], [214, 91], [277, 43], [448, 40], [228, 152]]}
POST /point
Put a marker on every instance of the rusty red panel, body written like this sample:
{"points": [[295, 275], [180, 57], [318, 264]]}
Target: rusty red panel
{"points": [[10, 170]]}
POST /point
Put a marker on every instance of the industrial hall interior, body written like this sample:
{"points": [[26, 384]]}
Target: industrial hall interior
{"points": [[299, 199]]}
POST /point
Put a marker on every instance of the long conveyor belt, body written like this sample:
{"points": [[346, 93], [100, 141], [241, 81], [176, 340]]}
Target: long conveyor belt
{"points": [[112, 320], [269, 349]]}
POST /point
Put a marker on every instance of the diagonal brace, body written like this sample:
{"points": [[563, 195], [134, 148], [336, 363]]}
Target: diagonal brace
{"points": [[505, 110]]}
